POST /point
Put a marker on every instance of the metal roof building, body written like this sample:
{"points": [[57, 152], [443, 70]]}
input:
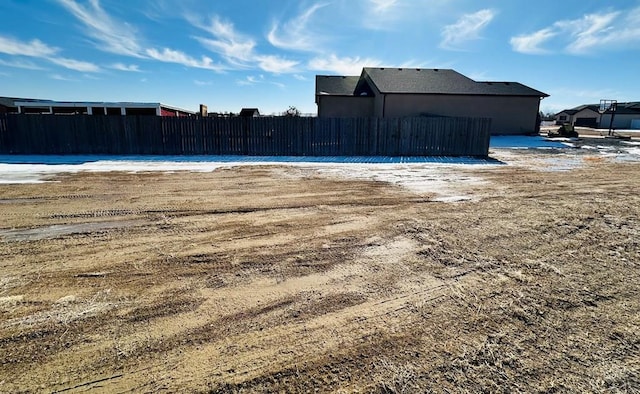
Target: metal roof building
{"points": [[39, 106]]}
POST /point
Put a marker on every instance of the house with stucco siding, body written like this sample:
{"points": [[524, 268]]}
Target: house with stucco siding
{"points": [[407, 92], [584, 115]]}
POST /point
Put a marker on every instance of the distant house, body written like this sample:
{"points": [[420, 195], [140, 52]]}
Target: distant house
{"points": [[249, 112], [399, 92], [584, 115], [36, 106], [627, 116]]}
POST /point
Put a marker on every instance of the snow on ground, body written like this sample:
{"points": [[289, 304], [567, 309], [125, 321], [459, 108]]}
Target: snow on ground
{"points": [[441, 176], [420, 175], [560, 154], [444, 180], [525, 142]]}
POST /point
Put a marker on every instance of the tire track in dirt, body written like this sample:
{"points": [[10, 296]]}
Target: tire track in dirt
{"points": [[472, 295]]}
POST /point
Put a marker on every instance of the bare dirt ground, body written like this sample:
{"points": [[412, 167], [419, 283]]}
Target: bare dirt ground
{"points": [[267, 279]]}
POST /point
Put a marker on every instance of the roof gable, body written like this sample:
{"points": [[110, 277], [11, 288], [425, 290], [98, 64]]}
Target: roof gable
{"points": [[417, 81]]}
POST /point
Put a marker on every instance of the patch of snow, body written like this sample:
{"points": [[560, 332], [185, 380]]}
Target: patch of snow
{"points": [[437, 175], [452, 199], [442, 180], [540, 162], [525, 142]]}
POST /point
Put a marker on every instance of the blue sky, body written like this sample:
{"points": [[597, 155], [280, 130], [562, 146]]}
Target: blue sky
{"points": [[266, 53]]}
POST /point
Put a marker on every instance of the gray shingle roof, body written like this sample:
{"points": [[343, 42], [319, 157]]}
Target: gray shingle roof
{"points": [[621, 108], [573, 111], [440, 81], [336, 85], [630, 108], [416, 80], [507, 89]]}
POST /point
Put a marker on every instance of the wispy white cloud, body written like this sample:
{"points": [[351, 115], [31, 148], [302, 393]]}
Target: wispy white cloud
{"points": [[248, 81], [382, 6], [37, 49], [276, 64], [19, 63], [33, 48], [238, 49], [76, 65], [110, 35], [202, 83], [592, 30], [125, 67], [251, 80], [532, 43], [466, 29], [421, 64], [479, 76], [92, 76], [382, 14], [342, 66], [612, 30], [233, 46], [300, 77], [168, 55], [61, 78], [394, 15], [295, 34]]}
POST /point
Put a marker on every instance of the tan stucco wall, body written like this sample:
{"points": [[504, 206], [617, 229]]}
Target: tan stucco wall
{"points": [[345, 107], [509, 115]]}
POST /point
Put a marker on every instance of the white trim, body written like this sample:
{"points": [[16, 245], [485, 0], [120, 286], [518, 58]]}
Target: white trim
{"points": [[75, 104]]}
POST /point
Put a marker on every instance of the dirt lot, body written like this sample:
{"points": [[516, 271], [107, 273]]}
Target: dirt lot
{"points": [[278, 278]]}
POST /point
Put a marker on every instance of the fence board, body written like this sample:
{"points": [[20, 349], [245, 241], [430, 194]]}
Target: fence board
{"points": [[296, 136]]}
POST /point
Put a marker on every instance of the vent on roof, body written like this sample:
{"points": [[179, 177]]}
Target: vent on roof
{"points": [[435, 69], [381, 68], [417, 69], [507, 83]]}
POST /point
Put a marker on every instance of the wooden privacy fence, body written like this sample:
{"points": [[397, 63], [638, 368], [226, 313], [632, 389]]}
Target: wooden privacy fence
{"points": [[267, 136]]}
